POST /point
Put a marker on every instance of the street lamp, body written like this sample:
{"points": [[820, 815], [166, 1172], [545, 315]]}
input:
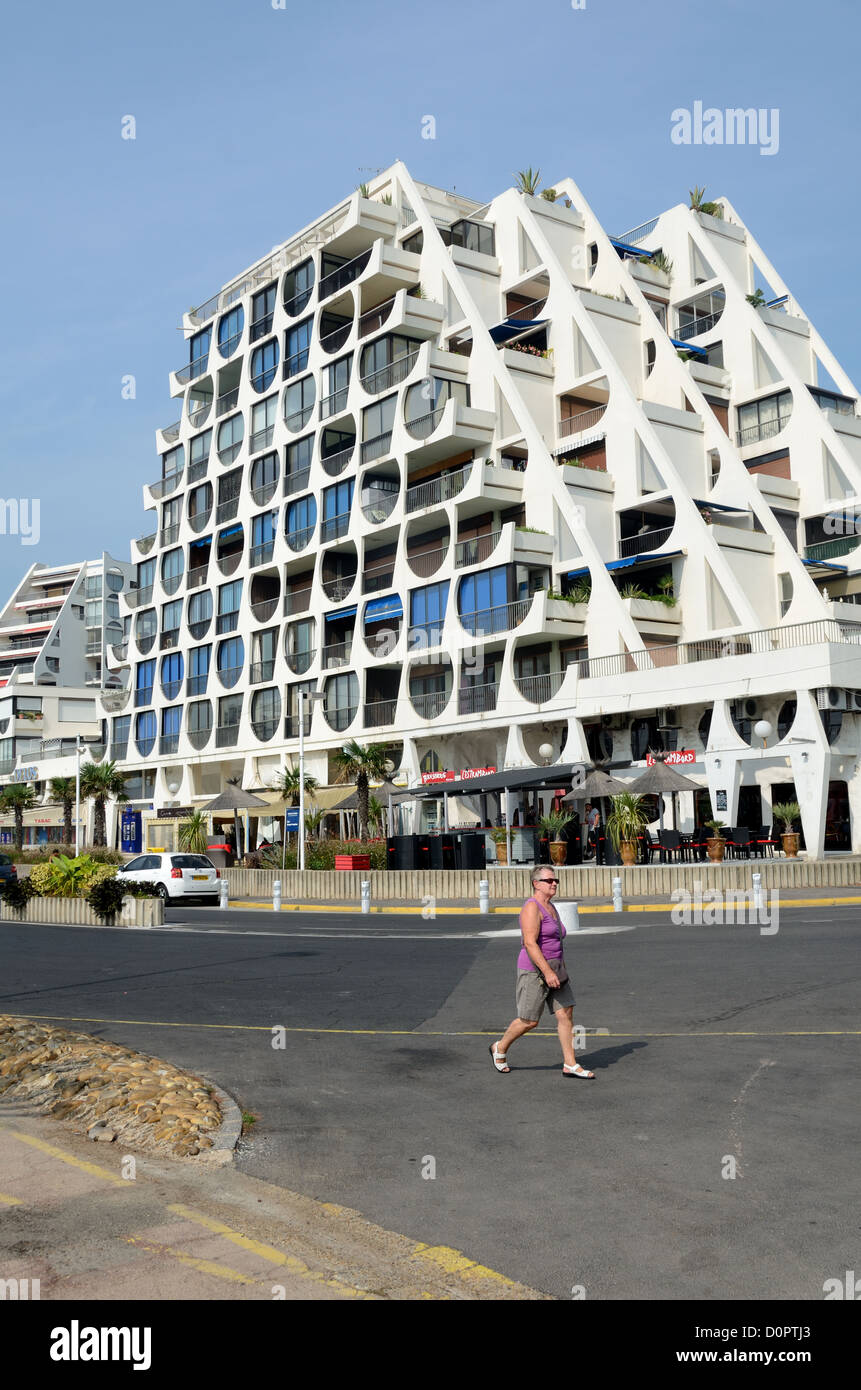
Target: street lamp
{"points": [[77, 795], [313, 696]]}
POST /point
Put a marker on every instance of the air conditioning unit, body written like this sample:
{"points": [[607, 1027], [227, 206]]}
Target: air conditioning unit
{"points": [[668, 719], [854, 699], [830, 697], [744, 709]]}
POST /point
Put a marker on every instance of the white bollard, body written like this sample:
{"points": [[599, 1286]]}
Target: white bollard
{"points": [[222, 890], [276, 895], [617, 894], [483, 896], [757, 892], [569, 915], [366, 895]]}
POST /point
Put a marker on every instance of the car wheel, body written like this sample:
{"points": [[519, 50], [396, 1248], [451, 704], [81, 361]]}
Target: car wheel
{"points": [[163, 893]]}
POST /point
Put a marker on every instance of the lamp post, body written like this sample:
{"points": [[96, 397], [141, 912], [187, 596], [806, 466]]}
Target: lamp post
{"points": [[77, 795], [312, 696]]}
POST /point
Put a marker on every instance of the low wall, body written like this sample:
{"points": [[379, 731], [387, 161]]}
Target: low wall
{"points": [[590, 881], [136, 912]]}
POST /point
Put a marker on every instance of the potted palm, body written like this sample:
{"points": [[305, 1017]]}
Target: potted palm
{"points": [[625, 823], [499, 836], [553, 825], [716, 844], [787, 813]]}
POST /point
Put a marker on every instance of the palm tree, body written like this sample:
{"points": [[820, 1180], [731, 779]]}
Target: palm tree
{"points": [[360, 764], [98, 782], [375, 814], [63, 793], [287, 783], [17, 797], [528, 180], [194, 832]]}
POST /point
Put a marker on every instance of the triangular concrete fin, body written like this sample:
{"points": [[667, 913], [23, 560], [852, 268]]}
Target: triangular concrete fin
{"points": [[721, 613]]}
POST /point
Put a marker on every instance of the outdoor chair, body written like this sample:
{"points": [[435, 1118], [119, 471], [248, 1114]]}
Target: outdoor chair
{"points": [[739, 842], [671, 845]]}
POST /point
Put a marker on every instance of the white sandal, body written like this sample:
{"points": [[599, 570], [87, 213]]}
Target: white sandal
{"points": [[498, 1059], [577, 1070]]}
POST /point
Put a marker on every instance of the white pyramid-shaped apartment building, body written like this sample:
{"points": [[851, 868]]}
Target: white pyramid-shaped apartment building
{"points": [[488, 478]]}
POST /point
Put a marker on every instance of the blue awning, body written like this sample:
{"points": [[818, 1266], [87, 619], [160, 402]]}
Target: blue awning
{"points": [[195, 545], [826, 565], [511, 327], [718, 506], [626, 563], [390, 607], [231, 531], [342, 613], [628, 250], [687, 347]]}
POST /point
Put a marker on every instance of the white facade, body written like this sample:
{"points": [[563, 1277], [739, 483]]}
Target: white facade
{"points": [[418, 422]]}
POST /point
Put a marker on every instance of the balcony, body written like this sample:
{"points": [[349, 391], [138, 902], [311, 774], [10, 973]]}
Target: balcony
{"points": [[538, 689], [138, 598], [336, 654], [335, 339], [264, 729], [831, 550], [143, 696], [297, 540], [476, 550], [502, 618], [191, 370], [477, 699], [424, 563], [334, 404], [388, 377], [259, 328], [296, 482], [169, 639], [199, 737], [227, 401], [198, 469], [373, 319], [334, 464], [163, 487], [642, 544], [697, 326], [261, 554], [171, 432], [379, 712], [300, 662], [379, 505], [261, 671], [226, 622], [450, 429], [437, 490], [227, 509], [226, 735], [261, 439], [169, 535], [333, 527], [341, 717], [580, 423], [291, 725], [196, 685], [196, 577], [375, 448], [263, 609], [146, 543], [118, 751], [297, 601], [766, 429], [431, 704], [343, 275], [168, 743], [378, 577]]}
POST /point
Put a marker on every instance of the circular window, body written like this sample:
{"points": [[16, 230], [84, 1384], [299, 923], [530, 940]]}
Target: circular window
{"points": [[264, 365], [230, 661], [171, 570], [230, 328], [704, 728], [230, 436], [145, 727], [264, 479], [199, 613], [146, 626], [265, 714], [786, 718]]}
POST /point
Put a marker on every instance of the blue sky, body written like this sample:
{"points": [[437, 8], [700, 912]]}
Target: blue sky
{"points": [[251, 121]]}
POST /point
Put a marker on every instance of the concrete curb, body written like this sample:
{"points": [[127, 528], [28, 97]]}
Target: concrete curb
{"points": [[227, 1136]]}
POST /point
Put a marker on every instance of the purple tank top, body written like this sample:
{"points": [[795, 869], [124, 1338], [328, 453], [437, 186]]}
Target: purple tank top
{"points": [[550, 934]]}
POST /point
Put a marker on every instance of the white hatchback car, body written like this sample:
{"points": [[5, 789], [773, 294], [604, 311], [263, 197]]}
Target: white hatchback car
{"points": [[175, 875]]}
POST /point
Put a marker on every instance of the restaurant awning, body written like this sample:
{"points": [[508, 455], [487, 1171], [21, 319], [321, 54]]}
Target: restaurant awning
{"points": [[557, 775]]}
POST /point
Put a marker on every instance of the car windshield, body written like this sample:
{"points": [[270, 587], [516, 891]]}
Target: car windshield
{"points": [[191, 861]]}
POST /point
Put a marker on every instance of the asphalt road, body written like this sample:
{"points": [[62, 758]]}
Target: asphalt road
{"points": [[723, 1046]]}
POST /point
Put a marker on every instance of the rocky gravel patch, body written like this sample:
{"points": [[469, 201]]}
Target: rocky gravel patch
{"points": [[108, 1092]]}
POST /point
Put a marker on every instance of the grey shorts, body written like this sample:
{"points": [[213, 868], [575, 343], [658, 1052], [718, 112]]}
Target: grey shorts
{"points": [[533, 993]]}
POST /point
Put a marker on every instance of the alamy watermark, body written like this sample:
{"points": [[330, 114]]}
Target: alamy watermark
{"points": [[736, 125], [727, 907], [21, 516]]}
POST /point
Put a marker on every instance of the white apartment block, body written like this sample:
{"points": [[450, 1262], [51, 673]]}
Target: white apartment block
{"points": [[487, 478], [54, 631]]}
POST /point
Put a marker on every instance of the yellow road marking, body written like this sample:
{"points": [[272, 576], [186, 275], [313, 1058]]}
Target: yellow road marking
{"points": [[92, 1168], [456, 1263], [10, 1201], [267, 1252], [437, 1033], [203, 1266], [379, 908]]}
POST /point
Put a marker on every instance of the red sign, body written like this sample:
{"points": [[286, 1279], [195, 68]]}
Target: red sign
{"points": [[682, 755], [467, 772], [436, 777]]}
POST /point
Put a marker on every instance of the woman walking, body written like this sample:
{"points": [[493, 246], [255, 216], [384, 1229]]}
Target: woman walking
{"points": [[542, 977]]}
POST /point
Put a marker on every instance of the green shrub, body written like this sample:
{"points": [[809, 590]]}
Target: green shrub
{"points": [[66, 877], [18, 893], [105, 897], [320, 854], [138, 890]]}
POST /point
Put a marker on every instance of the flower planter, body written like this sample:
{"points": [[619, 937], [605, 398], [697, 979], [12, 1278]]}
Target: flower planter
{"points": [[716, 849], [352, 861], [790, 842], [628, 851], [135, 912], [558, 851]]}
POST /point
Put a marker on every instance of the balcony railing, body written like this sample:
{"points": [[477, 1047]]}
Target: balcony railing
{"points": [[227, 401], [169, 534], [334, 464], [431, 704], [146, 543], [336, 654], [264, 729], [374, 318], [584, 420], [528, 312], [639, 545], [298, 419], [476, 699], [163, 487], [226, 509], [198, 469], [197, 414], [264, 493], [344, 274], [338, 588], [437, 490], [226, 735], [423, 426], [261, 671], [830, 550], [296, 482], [259, 328], [697, 326], [261, 554], [263, 609], [341, 717], [296, 303], [539, 688], [382, 577], [196, 367], [196, 577], [169, 639], [229, 675], [172, 431], [376, 447], [261, 439], [390, 376], [766, 429], [501, 618], [379, 712], [427, 562], [199, 737], [300, 662], [335, 340], [379, 506], [291, 725], [168, 743], [138, 598], [143, 696], [475, 550], [297, 601], [333, 527], [196, 685], [118, 751], [297, 540], [229, 345], [295, 363], [227, 622], [334, 403]]}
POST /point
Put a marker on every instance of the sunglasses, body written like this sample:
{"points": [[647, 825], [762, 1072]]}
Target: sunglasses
{"points": [[547, 880]]}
